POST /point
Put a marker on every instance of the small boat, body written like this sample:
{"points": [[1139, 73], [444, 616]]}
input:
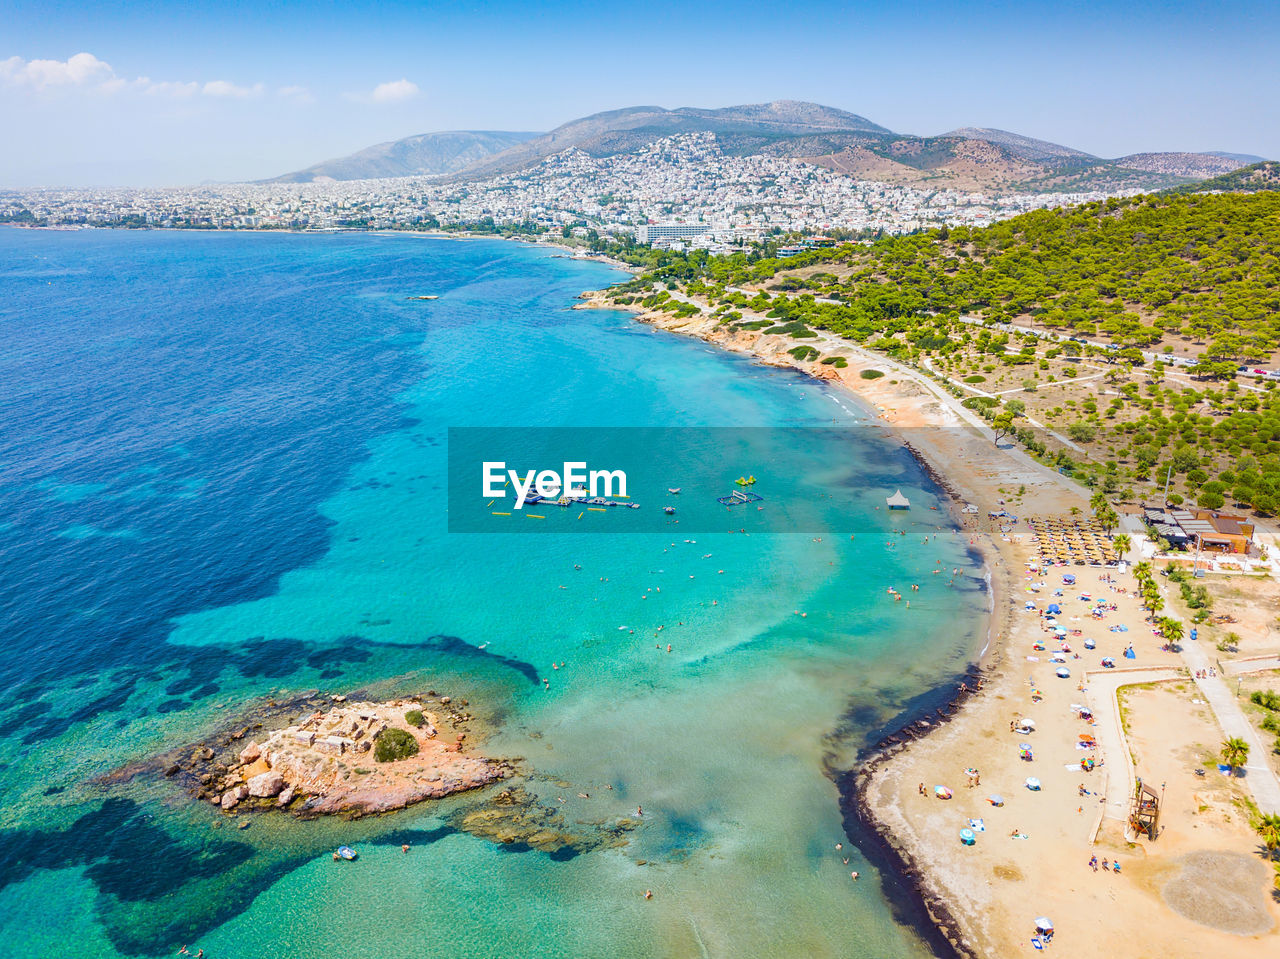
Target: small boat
{"points": [[674, 491], [668, 510], [345, 852], [424, 297]]}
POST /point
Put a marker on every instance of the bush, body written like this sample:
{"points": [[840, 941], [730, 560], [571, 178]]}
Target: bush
{"points": [[839, 362], [975, 378], [393, 744], [1082, 432], [1267, 699], [871, 374], [803, 352], [415, 718]]}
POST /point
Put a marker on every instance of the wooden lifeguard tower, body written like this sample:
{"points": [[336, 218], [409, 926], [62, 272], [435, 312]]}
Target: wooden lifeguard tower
{"points": [[1144, 811]]}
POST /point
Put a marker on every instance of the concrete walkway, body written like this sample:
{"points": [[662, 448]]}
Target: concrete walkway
{"points": [[1249, 664], [1222, 700], [1109, 729]]}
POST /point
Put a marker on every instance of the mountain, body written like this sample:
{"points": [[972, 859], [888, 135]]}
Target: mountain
{"points": [[1241, 158], [984, 160], [1194, 165], [426, 153], [622, 131], [980, 159], [1028, 148]]}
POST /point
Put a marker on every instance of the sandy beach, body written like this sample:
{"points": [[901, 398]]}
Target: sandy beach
{"points": [[1200, 888]]}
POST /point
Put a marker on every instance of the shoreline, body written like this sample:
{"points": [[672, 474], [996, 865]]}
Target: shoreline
{"points": [[904, 402], [980, 897]]}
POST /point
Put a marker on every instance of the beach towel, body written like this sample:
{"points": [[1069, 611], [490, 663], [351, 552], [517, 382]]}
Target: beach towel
{"points": [[977, 825]]}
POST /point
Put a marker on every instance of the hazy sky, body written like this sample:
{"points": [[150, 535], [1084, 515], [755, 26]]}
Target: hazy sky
{"points": [[155, 93]]}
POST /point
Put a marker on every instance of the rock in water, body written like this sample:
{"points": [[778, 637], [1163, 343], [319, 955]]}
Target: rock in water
{"points": [[285, 797], [266, 785], [250, 753]]}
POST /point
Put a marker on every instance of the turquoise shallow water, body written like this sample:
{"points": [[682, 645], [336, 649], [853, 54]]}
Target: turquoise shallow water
{"points": [[224, 478]]}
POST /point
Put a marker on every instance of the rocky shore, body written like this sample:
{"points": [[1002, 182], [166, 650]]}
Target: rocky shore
{"points": [[317, 755], [922, 906]]}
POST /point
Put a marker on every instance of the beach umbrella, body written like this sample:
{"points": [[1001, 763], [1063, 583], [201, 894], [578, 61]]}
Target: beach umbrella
{"points": [[996, 800], [1044, 925], [942, 792], [1063, 672], [1060, 630], [967, 837], [1033, 784], [1054, 609]]}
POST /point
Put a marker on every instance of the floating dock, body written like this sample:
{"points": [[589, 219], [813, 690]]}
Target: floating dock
{"points": [[739, 498]]}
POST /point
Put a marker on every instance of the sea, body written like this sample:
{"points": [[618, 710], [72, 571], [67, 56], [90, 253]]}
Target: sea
{"points": [[224, 481]]}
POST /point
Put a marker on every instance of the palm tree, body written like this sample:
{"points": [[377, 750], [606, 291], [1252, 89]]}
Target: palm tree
{"points": [[1142, 570], [1171, 629], [1269, 830], [1235, 752], [1123, 544], [1107, 517]]}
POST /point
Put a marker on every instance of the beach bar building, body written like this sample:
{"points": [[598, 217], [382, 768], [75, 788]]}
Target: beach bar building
{"points": [[898, 501], [1214, 532]]}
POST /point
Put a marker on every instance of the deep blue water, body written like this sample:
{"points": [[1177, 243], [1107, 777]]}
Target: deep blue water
{"points": [[222, 476]]}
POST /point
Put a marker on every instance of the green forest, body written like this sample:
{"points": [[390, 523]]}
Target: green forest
{"points": [[1199, 273], [1136, 272]]}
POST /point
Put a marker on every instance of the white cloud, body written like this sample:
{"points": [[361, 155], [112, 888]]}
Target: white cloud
{"points": [[167, 88], [401, 89], [224, 88], [86, 72], [295, 93], [84, 69]]}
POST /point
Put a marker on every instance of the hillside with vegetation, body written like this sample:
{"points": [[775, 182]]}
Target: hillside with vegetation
{"points": [[1247, 179], [1106, 337]]}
